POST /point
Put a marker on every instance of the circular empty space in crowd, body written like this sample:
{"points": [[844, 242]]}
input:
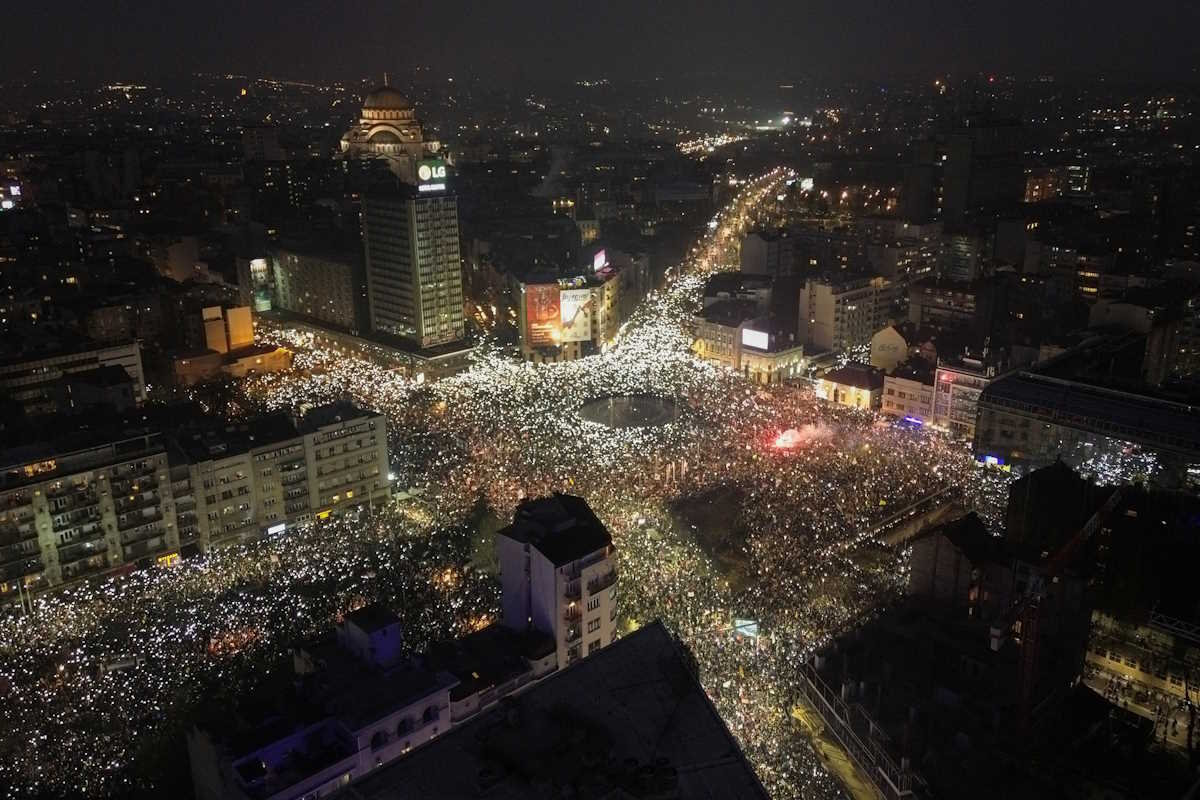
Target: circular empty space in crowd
{"points": [[630, 411]]}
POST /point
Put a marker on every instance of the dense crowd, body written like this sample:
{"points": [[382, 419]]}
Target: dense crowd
{"points": [[815, 485]]}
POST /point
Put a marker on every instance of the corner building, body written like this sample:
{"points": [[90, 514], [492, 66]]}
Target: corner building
{"points": [[558, 571]]}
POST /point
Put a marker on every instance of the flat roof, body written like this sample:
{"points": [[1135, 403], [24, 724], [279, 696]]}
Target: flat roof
{"points": [[330, 414], [373, 617], [1075, 402], [562, 527], [624, 721], [729, 313], [859, 376], [227, 439]]}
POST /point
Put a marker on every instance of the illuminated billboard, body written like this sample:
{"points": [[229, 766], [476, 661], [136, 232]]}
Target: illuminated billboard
{"points": [[756, 339], [576, 314], [599, 261], [542, 315], [431, 175]]}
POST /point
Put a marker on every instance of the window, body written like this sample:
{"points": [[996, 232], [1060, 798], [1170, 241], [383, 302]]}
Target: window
{"points": [[593, 646], [593, 603], [593, 625]]}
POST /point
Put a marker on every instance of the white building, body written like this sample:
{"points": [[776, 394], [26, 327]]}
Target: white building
{"points": [[908, 392], [558, 570], [388, 129], [838, 313]]}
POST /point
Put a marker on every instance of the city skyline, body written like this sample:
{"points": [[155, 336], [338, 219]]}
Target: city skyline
{"points": [[821, 41]]}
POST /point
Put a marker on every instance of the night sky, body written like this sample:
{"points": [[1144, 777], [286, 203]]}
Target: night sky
{"points": [[850, 39]]}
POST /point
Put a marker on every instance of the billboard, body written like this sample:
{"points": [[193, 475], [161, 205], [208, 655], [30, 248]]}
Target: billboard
{"points": [[599, 261], [542, 316], [576, 314], [756, 339], [431, 175]]}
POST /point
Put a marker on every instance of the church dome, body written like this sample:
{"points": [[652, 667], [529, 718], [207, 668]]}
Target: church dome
{"points": [[385, 98]]}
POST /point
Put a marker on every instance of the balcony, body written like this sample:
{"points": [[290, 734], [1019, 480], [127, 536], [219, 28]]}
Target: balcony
{"points": [[572, 614], [142, 534], [133, 485], [73, 499], [128, 503], [18, 569], [133, 552], [83, 516], [573, 634], [138, 520], [78, 551], [599, 584], [571, 590]]}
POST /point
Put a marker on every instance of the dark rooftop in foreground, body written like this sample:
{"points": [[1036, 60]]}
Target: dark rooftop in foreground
{"points": [[729, 313], [562, 527], [630, 721]]}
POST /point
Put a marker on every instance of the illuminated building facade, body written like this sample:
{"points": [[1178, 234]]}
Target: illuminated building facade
{"points": [[734, 334], [74, 508], [388, 129], [838, 313], [414, 267], [854, 385]]}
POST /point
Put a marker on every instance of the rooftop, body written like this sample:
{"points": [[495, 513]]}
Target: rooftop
{"points": [[628, 721], [221, 441], [860, 376], [331, 414], [730, 313], [1122, 414], [562, 527], [372, 618]]}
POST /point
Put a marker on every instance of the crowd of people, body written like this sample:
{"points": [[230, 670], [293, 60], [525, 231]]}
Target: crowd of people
{"points": [[808, 563]]}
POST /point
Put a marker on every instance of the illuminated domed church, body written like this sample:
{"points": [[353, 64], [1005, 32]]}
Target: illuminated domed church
{"points": [[388, 129]]}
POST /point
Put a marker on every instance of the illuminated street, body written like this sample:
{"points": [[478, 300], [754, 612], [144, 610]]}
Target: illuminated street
{"points": [[745, 502]]}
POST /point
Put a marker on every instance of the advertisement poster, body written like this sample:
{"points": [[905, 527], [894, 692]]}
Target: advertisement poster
{"points": [[542, 314], [576, 307]]}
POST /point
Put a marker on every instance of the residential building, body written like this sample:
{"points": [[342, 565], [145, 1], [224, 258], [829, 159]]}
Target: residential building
{"points": [[558, 572], [630, 721], [81, 506], [102, 497], [837, 313], [942, 303], [958, 382], [768, 253], [32, 380], [908, 391], [356, 703]]}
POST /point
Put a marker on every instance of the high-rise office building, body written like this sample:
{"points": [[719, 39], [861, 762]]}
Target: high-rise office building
{"points": [[414, 270]]}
